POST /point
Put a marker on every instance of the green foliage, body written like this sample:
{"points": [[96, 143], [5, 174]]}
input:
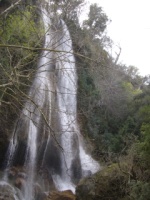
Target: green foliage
{"points": [[124, 138], [140, 191], [105, 93], [17, 65], [68, 10], [97, 20], [20, 29], [144, 144], [130, 90], [87, 98]]}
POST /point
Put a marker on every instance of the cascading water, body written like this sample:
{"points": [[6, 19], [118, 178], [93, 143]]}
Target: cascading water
{"points": [[9, 157], [49, 118], [40, 92], [66, 93]]}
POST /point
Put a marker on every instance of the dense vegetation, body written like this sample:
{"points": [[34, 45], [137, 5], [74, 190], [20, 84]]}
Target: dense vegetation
{"points": [[113, 99], [20, 29]]}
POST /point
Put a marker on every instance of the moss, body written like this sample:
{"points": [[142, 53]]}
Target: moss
{"points": [[108, 184]]}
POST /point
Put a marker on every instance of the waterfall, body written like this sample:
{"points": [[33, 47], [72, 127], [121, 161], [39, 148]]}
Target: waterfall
{"points": [[48, 121]]}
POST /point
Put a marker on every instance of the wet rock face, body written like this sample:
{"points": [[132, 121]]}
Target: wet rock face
{"points": [[76, 170], [76, 167], [20, 154], [4, 143], [52, 157]]}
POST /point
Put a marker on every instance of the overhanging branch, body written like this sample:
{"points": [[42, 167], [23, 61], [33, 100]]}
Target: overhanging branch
{"points": [[11, 7], [44, 49]]}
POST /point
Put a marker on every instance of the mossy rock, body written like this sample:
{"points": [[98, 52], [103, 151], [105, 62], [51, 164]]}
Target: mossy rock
{"points": [[111, 183], [61, 195]]}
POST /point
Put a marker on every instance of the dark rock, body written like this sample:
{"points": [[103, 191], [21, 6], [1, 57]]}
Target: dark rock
{"points": [[4, 143]]}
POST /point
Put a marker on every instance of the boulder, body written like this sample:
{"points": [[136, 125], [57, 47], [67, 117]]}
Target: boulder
{"points": [[61, 195], [22, 175], [38, 193], [107, 184], [7, 192], [13, 172], [20, 182]]}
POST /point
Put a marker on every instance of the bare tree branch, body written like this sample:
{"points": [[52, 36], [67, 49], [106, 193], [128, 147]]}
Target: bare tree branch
{"points": [[11, 7], [118, 55], [6, 84], [43, 49]]}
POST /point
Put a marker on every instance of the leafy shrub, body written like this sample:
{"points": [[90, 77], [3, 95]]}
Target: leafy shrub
{"points": [[140, 191]]}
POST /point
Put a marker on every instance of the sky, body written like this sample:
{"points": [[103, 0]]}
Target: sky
{"points": [[129, 29]]}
